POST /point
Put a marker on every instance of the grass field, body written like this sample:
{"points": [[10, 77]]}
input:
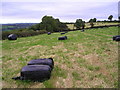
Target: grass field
{"points": [[87, 25], [86, 60]]}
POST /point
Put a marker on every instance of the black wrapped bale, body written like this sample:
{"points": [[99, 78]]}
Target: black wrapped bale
{"points": [[36, 72], [82, 30], [44, 61], [12, 37], [62, 33], [117, 39], [62, 38], [49, 33], [114, 37]]}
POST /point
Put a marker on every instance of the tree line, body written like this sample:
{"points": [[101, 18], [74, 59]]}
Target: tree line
{"points": [[51, 24]]}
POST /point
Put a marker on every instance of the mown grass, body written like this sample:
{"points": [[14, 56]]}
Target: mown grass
{"points": [[86, 60]]}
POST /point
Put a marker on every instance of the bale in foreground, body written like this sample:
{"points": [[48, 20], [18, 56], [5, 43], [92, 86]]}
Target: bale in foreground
{"points": [[44, 61], [35, 73]]}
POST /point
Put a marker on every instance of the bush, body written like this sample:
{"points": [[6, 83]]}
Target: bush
{"points": [[22, 34]]}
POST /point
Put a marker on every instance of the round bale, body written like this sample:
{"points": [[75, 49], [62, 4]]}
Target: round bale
{"points": [[117, 39], [36, 72], [12, 37], [114, 37], [49, 33], [62, 38], [62, 33], [42, 61]]}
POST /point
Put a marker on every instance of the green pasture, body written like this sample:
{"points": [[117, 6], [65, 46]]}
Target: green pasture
{"points": [[85, 60]]}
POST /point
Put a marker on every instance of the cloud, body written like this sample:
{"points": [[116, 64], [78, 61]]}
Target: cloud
{"points": [[60, 0], [63, 9]]}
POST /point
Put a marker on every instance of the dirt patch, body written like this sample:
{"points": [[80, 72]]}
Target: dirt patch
{"points": [[34, 50], [58, 46], [90, 35], [99, 82], [81, 48], [77, 54], [92, 59], [65, 50], [37, 85], [68, 82], [59, 83], [73, 55], [37, 46]]}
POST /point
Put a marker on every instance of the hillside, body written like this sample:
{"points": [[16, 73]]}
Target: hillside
{"points": [[14, 26], [86, 60], [87, 25]]}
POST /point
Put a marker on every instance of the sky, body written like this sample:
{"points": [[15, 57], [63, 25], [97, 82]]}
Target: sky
{"points": [[32, 11]]}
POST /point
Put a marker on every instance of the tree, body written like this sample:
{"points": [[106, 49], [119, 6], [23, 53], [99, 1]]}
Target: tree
{"points": [[83, 24], [94, 19], [35, 27], [119, 18], [92, 24], [110, 17], [48, 23], [79, 23], [91, 21], [52, 25]]}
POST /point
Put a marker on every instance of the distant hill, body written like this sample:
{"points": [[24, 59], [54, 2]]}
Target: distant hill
{"points": [[14, 26]]}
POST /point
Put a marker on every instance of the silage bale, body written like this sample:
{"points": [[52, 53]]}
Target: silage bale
{"points": [[114, 37], [62, 33], [117, 39], [44, 61], [62, 38], [12, 37], [49, 33], [36, 72]]}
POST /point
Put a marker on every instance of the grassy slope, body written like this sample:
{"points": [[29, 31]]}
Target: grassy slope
{"points": [[87, 25], [86, 60]]}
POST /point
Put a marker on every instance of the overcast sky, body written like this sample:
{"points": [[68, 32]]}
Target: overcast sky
{"points": [[32, 11]]}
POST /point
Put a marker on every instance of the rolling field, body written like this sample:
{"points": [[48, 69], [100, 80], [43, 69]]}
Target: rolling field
{"points": [[87, 25], [86, 60]]}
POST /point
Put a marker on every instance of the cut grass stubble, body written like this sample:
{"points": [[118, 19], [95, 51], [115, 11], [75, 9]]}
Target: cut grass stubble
{"points": [[86, 60]]}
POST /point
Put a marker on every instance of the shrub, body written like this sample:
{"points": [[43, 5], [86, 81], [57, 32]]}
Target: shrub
{"points": [[22, 34]]}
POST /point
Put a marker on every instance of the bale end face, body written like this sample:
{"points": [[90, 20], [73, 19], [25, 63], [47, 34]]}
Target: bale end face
{"points": [[36, 72]]}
